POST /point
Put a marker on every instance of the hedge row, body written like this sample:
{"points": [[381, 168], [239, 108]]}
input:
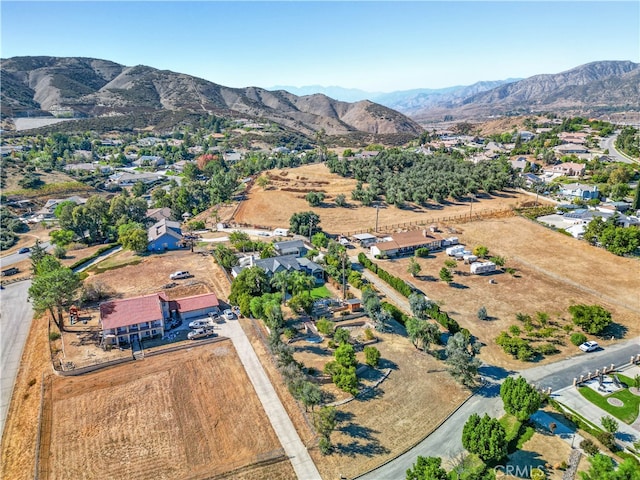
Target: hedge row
{"points": [[397, 314], [98, 252], [443, 319], [397, 283]]}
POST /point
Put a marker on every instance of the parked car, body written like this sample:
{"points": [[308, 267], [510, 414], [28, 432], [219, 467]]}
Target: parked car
{"points": [[589, 346], [228, 314], [179, 274], [200, 333], [201, 323], [24, 250]]}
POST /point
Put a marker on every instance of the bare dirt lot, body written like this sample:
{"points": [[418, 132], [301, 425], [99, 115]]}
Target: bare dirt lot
{"points": [[553, 271], [149, 273], [272, 207], [163, 417]]}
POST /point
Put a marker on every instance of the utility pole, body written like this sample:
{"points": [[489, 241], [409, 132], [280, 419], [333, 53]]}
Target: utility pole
{"points": [[471, 198], [377, 213], [344, 282]]}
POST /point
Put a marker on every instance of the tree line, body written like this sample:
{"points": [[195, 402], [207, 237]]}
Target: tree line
{"points": [[405, 176]]}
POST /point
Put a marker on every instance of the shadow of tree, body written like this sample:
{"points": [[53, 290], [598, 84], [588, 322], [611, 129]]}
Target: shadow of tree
{"points": [[365, 441]]}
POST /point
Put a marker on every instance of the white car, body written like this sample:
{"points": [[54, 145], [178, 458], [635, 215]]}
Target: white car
{"points": [[179, 274], [228, 314], [589, 346], [201, 324]]}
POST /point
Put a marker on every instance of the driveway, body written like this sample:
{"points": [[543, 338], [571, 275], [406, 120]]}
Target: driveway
{"points": [[15, 320], [280, 421]]}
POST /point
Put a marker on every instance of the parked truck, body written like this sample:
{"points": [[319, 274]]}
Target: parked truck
{"points": [[201, 333]]}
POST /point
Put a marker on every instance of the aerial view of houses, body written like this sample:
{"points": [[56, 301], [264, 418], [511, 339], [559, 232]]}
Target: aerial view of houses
{"points": [[377, 280]]}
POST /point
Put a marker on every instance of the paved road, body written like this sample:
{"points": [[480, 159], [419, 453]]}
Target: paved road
{"points": [[560, 374], [445, 442], [17, 257], [296, 451], [608, 143], [15, 319]]}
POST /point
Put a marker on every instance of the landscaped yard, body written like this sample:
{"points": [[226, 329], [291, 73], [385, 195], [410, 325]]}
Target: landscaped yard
{"points": [[626, 413], [320, 292]]}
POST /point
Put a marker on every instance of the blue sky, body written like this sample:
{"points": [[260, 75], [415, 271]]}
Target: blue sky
{"points": [[374, 46]]}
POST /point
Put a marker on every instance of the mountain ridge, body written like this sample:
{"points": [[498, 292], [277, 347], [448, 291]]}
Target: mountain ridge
{"points": [[94, 87]]}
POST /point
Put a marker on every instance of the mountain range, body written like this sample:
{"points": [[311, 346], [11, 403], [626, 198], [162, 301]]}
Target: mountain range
{"points": [[92, 87], [98, 88]]}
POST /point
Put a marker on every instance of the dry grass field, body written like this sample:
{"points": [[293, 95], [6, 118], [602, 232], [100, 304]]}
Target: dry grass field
{"points": [[553, 271], [272, 207], [166, 417], [381, 425]]}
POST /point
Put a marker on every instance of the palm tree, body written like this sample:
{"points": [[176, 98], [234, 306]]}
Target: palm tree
{"points": [[281, 280]]}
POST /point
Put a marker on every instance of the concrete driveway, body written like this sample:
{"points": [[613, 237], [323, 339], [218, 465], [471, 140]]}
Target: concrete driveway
{"points": [[280, 421]]}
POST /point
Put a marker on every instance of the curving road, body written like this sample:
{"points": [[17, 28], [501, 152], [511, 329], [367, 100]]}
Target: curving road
{"points": [[608, 143]]}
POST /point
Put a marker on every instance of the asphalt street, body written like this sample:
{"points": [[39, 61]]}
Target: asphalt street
{"points": [[15, 319], [17, 257], [608, 143]]}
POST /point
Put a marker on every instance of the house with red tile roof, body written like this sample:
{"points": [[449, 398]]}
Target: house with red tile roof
{"points": [[147, 316]]}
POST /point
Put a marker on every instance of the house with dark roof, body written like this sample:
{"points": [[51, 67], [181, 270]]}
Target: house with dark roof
{"points": [[287, 263], [291, 247], [158, 214], [144, 317], [164, 235]]}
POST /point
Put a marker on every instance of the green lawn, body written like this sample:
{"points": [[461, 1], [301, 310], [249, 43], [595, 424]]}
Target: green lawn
{"points": [[627, 413], [114, 262], [320, 292]]}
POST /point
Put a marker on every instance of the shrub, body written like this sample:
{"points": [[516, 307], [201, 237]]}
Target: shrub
{"points": [[54, 336], [372, 355], [422, 252], [608, 440], [547, 349], [324, 326], [368, 334], [290, 332], [609, 424], [325, 446], [482, 313], [341, 335], [514, 330], [517, 347], [589, 447], [578, 338]]}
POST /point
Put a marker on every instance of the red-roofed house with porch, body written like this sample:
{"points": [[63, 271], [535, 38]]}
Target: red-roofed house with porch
{"points": [[145, 317]]}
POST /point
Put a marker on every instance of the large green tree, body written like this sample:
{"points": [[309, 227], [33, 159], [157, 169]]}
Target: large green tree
{"points": [[519, 398], [461, 360], [592, 319], [132, 236], [53, 288], [427, 468], [304, 223], [485, 437]]}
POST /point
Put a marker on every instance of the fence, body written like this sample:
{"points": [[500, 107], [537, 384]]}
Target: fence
{"points": [[43, 435], [429, 221], [633, 360]]}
